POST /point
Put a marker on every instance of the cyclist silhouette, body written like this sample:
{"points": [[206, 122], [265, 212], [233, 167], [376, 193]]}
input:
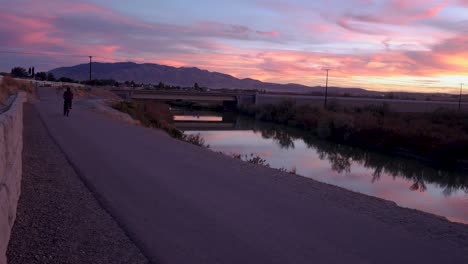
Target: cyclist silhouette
{"points": [[67, 101]]}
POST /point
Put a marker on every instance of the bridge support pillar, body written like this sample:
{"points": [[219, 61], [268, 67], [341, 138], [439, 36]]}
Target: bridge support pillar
{"points": [[229, 105]]}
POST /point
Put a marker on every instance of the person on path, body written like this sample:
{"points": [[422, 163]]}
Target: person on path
{"points": [[67, 101]]}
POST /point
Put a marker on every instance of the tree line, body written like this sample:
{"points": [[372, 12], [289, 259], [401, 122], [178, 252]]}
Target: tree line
{"points": [[20, 72]]}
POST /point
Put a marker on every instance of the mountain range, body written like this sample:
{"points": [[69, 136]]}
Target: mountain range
{"points": [[185, 77]]}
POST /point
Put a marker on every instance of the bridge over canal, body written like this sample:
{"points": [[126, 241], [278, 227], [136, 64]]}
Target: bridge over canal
{"points": [[228, 99], [232, 100]]}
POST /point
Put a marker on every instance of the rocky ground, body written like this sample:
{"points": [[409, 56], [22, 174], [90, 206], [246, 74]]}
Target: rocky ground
{"points": [[59, 220]]}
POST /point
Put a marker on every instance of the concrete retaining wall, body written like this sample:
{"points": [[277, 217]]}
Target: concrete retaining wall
{"points": [[11, 148]]}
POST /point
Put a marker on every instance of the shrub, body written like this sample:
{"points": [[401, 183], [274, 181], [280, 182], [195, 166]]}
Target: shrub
{"points": [[10, 86], [158, 115], [284, 111], [196, 139], [151, 114], [442, 135], [293, 170], [307, 117], [333, 105], [324, 128], [343, 126], [254, 159]]}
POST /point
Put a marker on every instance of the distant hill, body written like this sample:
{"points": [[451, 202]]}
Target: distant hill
{"points": [[184, 76]]}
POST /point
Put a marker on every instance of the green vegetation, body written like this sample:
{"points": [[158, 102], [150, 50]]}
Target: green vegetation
{"points": [[441, 136], [151, 114], [50, 77], [341, 157], [257, 160], [41, 76], [44, 76], [67, 80], [101, 82], [19, 72], [196, 140]]}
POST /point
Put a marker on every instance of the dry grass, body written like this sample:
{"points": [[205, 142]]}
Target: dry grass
{"points": [[196, 139], [4, 93], [151, 114], [257, 160], [441, 135], [9, 86], [81, 92], [157, 115], [97, 92]]}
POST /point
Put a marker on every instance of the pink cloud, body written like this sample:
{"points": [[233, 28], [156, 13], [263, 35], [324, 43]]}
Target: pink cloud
{"points": [[320, 28], [87, 29], [413, 10], [273, 33], [36, 38], [394, 13]]}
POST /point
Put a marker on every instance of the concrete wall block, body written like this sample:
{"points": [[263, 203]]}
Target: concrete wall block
{"points": [[2, 153], [5, 230], [8, 131], [11, 148]]}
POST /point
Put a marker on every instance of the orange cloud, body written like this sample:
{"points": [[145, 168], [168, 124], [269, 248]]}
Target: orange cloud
{"points": [[362, 48], [273, 33]]}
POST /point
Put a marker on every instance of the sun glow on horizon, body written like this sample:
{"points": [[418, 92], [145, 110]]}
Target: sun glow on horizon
{"points": [[381, 45]]}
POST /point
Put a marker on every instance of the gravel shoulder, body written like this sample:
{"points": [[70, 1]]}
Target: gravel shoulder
{"points": [[59, 220]]}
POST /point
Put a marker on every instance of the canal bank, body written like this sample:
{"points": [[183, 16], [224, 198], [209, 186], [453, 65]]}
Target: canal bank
{"points": [[186, 204], [410, 183]]}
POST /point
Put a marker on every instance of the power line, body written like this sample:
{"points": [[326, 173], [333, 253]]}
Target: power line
{"points": [[90, 61], [326, 89], [122, 58], [459, 101]]}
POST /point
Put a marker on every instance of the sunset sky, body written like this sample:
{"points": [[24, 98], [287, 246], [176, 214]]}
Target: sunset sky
{"points": [[407, 45]]}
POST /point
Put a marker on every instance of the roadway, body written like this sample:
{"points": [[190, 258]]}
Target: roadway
{"points": [[178, 95], [185, 204]]}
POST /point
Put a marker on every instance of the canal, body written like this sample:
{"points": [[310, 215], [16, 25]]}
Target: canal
{"points": [[409, 183]]}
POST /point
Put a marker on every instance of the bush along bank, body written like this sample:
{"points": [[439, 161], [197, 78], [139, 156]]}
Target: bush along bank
{"points": [[157, 115], [10, 86], [440, 137]]}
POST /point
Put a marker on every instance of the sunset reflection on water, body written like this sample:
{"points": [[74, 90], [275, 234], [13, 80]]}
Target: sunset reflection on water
{"points": [[408, 183], [198, 118]]}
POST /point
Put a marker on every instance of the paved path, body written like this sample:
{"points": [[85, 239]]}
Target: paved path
{"points": [[58, 218], [185, 204]]}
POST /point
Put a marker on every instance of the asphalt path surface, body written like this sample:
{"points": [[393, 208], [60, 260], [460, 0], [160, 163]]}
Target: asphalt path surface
{"points": [[185, 204], [58, 219]]}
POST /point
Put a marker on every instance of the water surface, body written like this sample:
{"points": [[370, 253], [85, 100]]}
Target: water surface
{"points": [[409, 183]]}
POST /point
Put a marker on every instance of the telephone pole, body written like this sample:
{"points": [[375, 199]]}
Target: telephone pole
{"points": [[459, 101], [326, 90], [90, 61]]}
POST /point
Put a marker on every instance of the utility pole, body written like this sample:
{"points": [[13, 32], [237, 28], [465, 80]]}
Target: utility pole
{"points": [[90, 61], [326, 90], [459, 101]]}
